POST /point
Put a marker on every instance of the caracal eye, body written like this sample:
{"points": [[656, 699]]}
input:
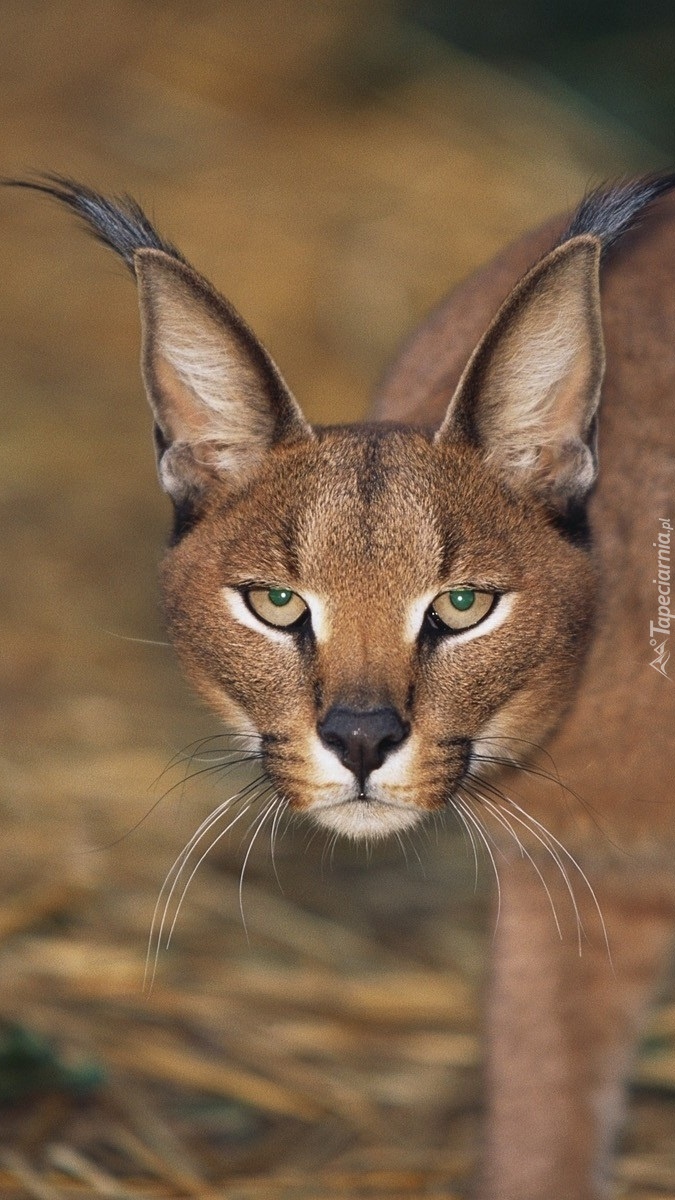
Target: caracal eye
{"points": [[462, 607], [276, 605]]}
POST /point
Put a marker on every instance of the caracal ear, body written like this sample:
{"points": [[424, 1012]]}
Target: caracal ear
{"points": [[218, 400], [529, 395]]}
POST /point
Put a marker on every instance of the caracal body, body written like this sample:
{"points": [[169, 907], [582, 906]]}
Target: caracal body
{"points": [[461, 606]]}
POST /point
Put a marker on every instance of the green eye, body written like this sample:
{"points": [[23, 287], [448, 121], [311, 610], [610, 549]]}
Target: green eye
{"points": [[280, 597], [462, 600], [461, 608], [278, 606]]}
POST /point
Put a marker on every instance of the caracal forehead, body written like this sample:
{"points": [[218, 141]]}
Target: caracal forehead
{"points": [[397, 510], [384, 508], [371, 510]]}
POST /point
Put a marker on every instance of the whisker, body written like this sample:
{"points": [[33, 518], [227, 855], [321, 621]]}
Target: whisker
{"points": [[544, 841], [177, 867], [215, 768], [196, 746], [507, 737], [328, 849], [256, 815], [526, 768], [213, 816], [194, 842], [468, 831], [503, 820], [563, 850], [311, 833], [281, 809], [203, 752], [192, 874], [557, 851], [550, 777], [404, 851], [173, 874], [125, 637], [260, 821], [535, 772], [436, 817], [483, 835], [212, 768]]}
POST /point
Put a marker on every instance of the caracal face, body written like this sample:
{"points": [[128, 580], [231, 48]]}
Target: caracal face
{"points": [[369, 708]]}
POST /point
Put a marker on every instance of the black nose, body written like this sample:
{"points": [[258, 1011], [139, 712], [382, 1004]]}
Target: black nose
{"points": [[362, 739]]}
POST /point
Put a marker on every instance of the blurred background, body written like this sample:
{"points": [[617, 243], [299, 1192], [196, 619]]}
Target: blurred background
{"points": [[333, 168]]}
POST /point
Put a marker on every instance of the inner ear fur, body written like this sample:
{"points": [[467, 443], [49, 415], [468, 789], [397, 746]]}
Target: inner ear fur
{"points": [[529, 396], [218, 400]]}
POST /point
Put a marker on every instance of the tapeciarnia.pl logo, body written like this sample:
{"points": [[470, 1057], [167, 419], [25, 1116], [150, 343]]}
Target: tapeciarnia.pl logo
{"points": [[659, 630]]}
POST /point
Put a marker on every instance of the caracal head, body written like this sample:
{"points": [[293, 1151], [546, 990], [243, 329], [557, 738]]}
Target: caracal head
{"points": [[387, 609]]}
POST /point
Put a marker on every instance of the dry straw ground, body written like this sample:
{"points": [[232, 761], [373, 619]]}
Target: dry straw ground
{"points": [[333, 178]]}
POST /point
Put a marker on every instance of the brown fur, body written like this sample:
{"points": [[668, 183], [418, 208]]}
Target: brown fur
{"points": [[545, 727]]}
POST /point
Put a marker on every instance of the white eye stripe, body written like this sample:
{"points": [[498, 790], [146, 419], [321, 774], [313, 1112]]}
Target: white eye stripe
{"points": [[242, 613], [319, 615], [416, 615]]}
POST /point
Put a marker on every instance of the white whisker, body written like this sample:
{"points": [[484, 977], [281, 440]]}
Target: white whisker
{"points": [[466, 828], [219, 837], [258, 824], [176, 880], [483, 835], [280, 810], [545, 842], [404, 852], [503, 820], [563, 849], [173, 874]]}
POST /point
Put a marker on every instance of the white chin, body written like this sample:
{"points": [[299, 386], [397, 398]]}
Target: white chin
{"points": [[366, 820]]}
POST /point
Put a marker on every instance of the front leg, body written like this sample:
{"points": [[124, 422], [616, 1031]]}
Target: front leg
{"points": [[562, 1030]]}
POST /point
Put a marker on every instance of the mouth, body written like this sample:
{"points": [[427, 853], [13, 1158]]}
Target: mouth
{"points": [[365, 817]]}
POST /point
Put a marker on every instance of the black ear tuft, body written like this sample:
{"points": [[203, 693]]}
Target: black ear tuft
{"points": [[118, 223], [611, 210]]}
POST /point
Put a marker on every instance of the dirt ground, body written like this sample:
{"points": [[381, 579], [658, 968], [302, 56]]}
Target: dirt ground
{"points": [[333, 174]]}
